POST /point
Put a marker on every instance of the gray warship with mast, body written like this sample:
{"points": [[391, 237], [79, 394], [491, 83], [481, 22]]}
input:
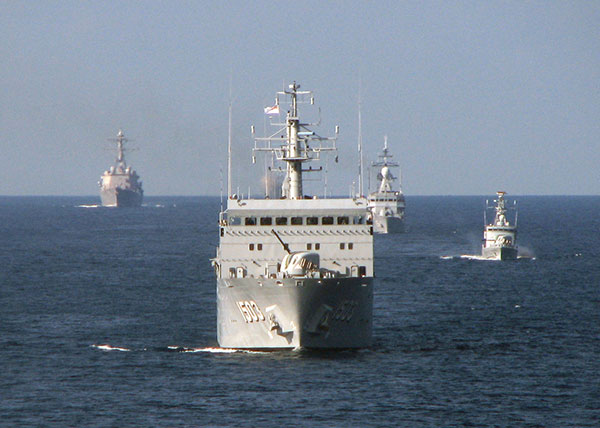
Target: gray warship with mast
{"points": [[120, 186], [500, 237], [386, 204], [294, 272]]}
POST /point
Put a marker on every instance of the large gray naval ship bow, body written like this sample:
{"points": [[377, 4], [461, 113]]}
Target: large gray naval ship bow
{"points": [[294, 272], [120, 186]]}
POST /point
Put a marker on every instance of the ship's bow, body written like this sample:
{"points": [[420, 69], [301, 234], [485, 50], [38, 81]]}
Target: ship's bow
{"points": [[332, 313]]}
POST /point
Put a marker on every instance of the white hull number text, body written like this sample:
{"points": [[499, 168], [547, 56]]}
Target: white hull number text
{"points": [[250, 311]]}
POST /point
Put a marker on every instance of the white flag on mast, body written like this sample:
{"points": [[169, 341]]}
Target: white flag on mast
{"points": [[272, 110]]}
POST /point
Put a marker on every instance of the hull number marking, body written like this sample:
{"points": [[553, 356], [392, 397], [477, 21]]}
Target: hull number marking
{"points": [[250, 311]]}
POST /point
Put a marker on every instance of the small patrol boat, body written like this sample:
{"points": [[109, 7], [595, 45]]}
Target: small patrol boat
{"points": [[386, 204], [500, 237], [120, 186]]}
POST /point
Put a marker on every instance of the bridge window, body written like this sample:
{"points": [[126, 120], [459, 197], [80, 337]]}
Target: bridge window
{"points": [[342, 246], [259, 247], [317, 246], [309, 246], [327, 220], [250, 221], [266, 221], [350, 245], [235, 221], [312, 221], [280, 221], [251, 247], [296, 221], [343, 220]]}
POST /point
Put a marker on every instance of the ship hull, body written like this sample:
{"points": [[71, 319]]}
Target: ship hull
{"points": [[500, 253], [388, 224], [333, 313], [122, 198]]}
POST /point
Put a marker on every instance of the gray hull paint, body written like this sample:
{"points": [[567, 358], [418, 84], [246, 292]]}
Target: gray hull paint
{"points": [[294, 313], [383, 224], [121, 198], [500, 253]]}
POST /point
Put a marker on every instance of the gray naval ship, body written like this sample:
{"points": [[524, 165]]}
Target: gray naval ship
{"points": [[120, 186], [294, 272], [386, 204], [500, 237]]}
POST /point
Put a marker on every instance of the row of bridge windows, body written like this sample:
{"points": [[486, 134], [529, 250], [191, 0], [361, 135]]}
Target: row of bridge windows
{"points": [[309, 246], [295, 221], [385, 200]]}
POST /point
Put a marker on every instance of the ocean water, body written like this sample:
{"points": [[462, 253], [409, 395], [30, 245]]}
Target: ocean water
{"points": [[107, 318]]}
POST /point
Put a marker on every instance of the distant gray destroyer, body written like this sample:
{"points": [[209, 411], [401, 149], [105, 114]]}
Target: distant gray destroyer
{"points": [[120, 185], [297, 271], [500, 237], [386, 204]]}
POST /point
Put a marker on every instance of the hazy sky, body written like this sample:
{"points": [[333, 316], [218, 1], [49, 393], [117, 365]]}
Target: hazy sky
{"points": [[474, 96]]}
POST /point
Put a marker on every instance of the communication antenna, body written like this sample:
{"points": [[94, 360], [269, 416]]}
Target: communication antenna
{"points": [[221, 188], [229, 184], [487, 205], [360, 151], [325, 178]]}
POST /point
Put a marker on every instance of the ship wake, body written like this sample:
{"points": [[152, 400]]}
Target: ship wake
{"points": [[465, 257], [179, 349], [480, 257]]}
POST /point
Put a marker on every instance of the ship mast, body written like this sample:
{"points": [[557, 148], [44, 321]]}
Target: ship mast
{"points": [[385, 156], [120, 140], [501, 210], [297, 146], [294, 159]]}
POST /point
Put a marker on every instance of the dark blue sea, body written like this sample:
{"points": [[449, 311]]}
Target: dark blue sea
{"points": [[107, 318]]}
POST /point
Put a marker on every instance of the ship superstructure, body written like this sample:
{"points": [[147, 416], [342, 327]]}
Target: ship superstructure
{"points": [[500, 237], [294, 272], [120, 186], [386, 203]]}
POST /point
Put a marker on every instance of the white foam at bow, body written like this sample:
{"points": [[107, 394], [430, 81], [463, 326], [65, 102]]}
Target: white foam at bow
{"points": [[220, 350], [107, 347]]}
